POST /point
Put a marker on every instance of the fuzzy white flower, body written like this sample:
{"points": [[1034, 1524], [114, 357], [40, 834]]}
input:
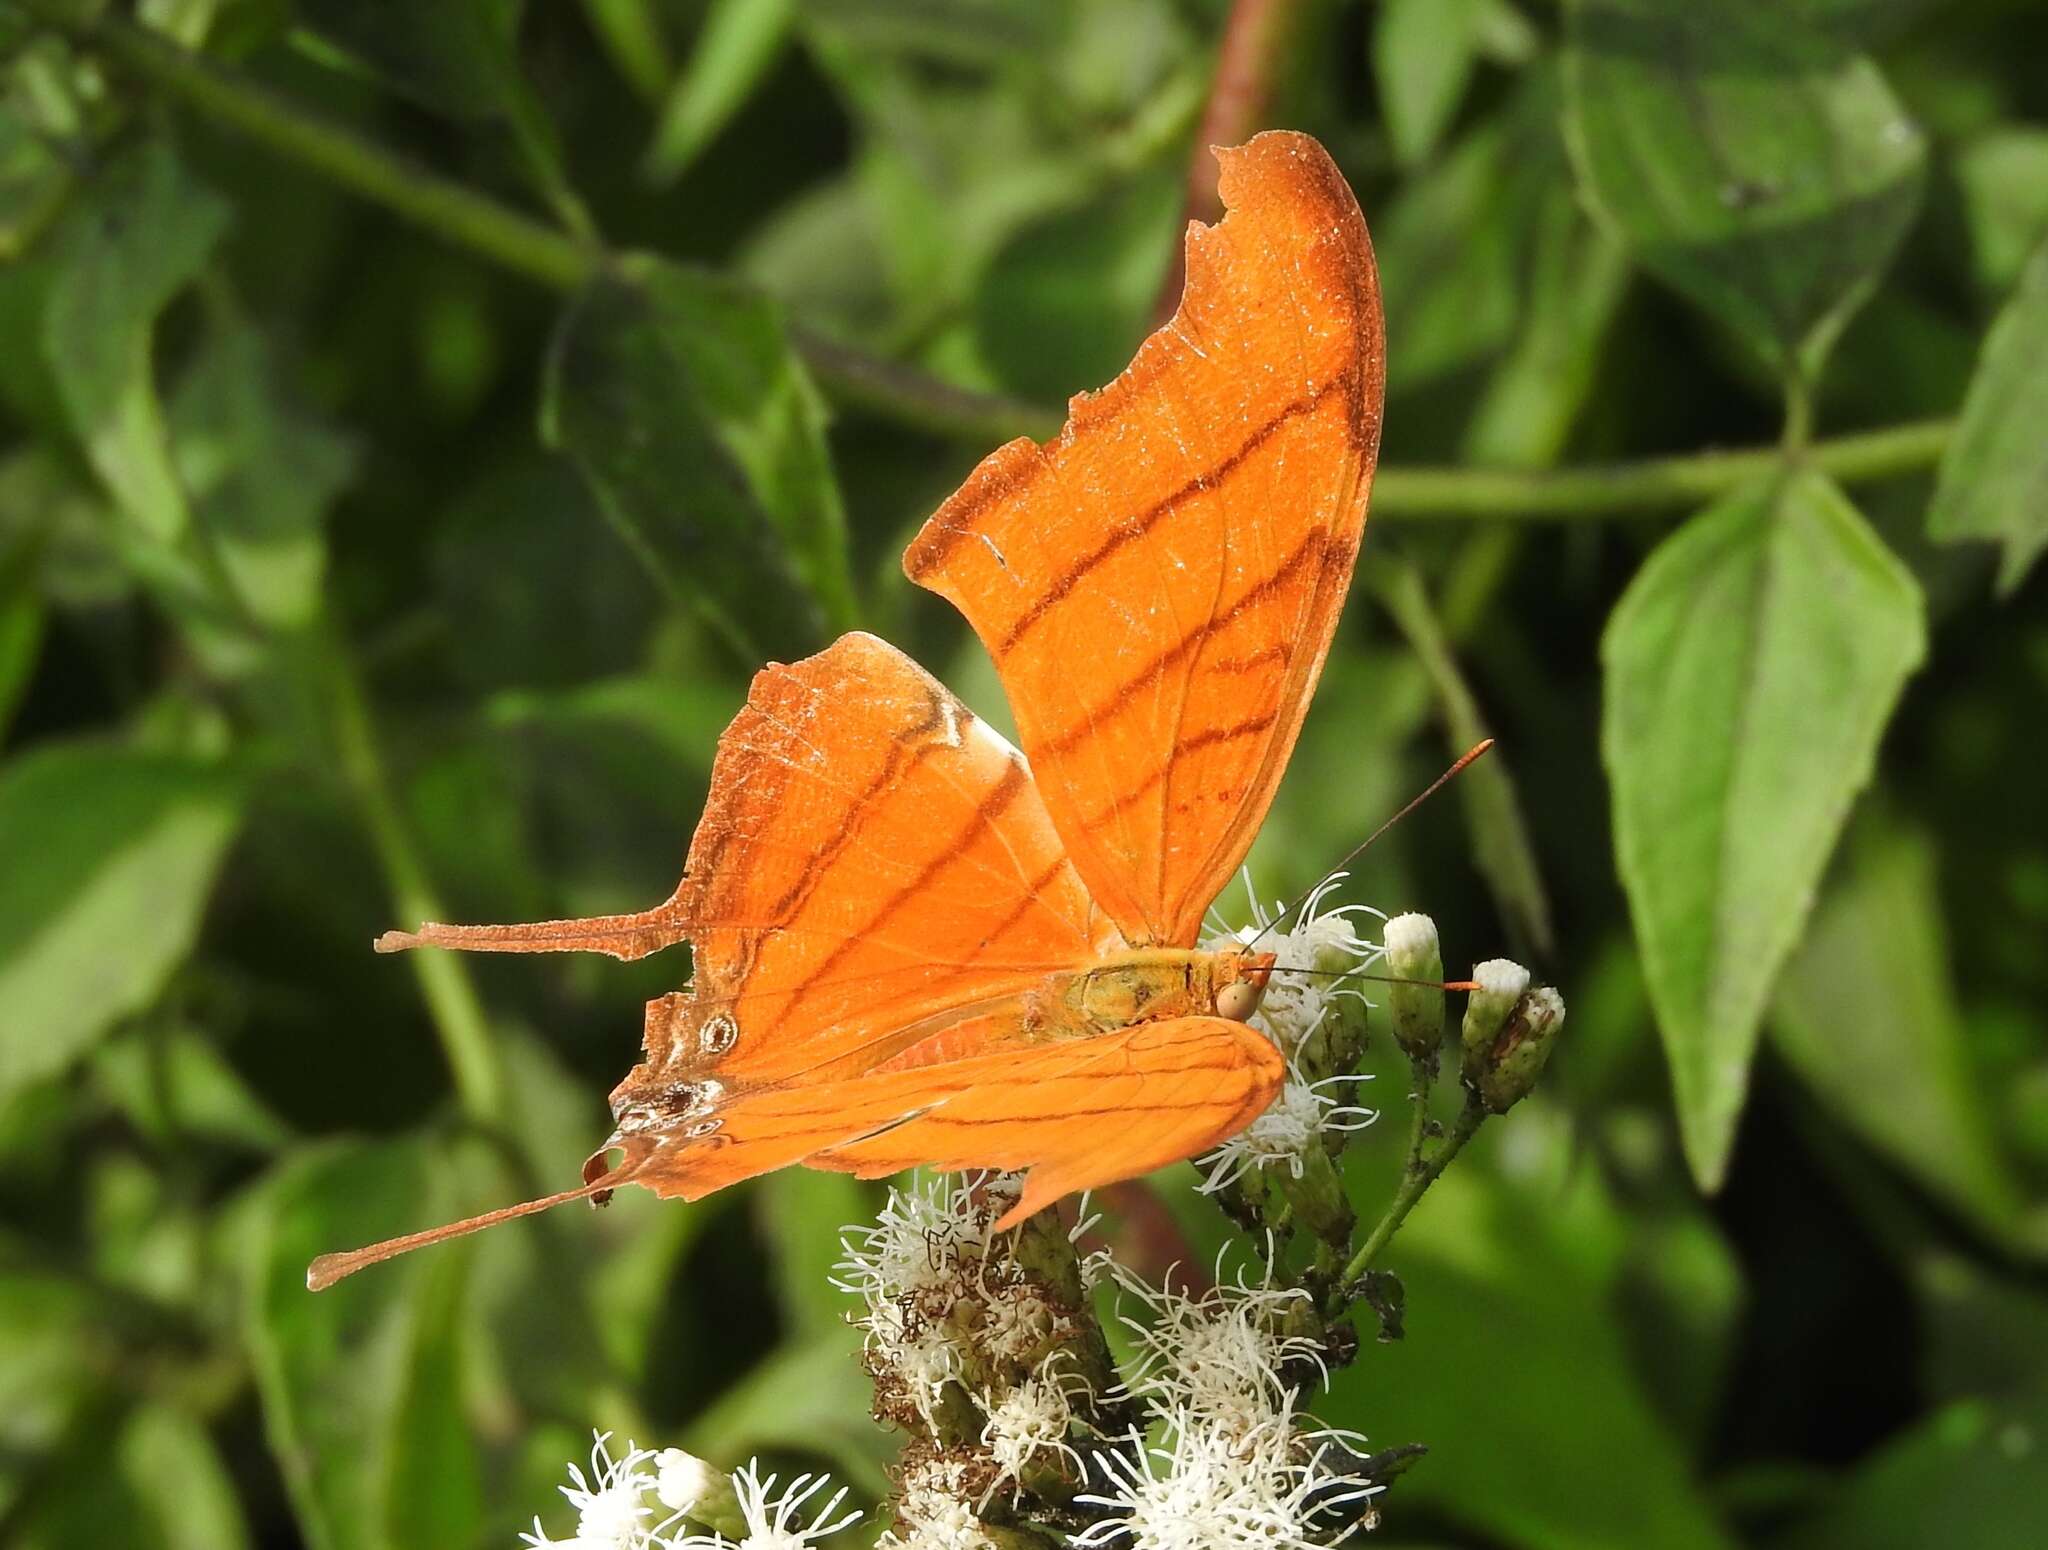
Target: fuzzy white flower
{"points": [[927, 1252], [776, 1522], [1218, 1357], [1017, 1322], [933, 1513], [612, 1509], [921, 1235], [1029, 1419], [1204, 1487], [1296, 1001], [1296, 1120]]}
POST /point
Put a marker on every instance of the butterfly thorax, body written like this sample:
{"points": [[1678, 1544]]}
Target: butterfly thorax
{"points": [[1148, 984]]}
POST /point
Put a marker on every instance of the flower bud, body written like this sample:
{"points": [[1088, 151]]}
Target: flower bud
{"points": [[1501, 983], [1412, 953], [687, 1484], [1506, 1066]]}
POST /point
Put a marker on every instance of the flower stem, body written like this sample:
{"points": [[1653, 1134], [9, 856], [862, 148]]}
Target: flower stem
{"points": [[1419, 1173], [1648, 484], [542, 253], [451, 996]]}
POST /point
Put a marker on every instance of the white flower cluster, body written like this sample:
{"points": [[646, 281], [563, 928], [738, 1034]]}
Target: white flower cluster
{"points": [[1293, 1008], [945, 1304], [933, 1511], [642, 1500], [1296, 1001], [1230, 1463]]}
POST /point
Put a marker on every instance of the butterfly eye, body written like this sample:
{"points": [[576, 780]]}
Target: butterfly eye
{"points": [[1237, 1001]]}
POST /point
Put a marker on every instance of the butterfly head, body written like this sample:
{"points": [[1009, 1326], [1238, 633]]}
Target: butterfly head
{"points": [[1240, 983]]}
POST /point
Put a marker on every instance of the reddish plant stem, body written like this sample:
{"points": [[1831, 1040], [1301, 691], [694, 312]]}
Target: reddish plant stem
{"points": [[1254, 39]]}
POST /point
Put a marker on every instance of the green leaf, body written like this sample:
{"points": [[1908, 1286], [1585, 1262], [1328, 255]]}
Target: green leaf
{"points": [[1577, 277], [1067, 301], [260, 475], [359, 1383], [1493, 812], [810, 1396], [33, 182], [173, 1084], [803, 1214], [1458, 245], [137, 236], [111, 854], [21, 647], [156, 1483], [1868, 1016], [2002, 176], [1968, 1475], [1514, 1357], [1750, 162], [1449, 313], [679, 397], [459, 58], [1984, 1329], [52, 1358], [1994, 477], [454, 57], [1423, 55], [738, 45], [1750, 670]]}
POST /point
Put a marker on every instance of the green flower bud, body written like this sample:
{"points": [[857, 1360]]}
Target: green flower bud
{"points": [[1412, 953], [1501, 984], [1519, 1051]]}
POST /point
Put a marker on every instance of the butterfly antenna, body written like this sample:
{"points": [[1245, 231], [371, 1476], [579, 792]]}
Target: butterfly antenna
{"points": [[1466, 986], [330, 1268], [1467, 757]]}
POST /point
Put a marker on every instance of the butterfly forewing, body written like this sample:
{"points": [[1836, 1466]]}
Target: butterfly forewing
{"points": [[872, 856], [1160, 584]]}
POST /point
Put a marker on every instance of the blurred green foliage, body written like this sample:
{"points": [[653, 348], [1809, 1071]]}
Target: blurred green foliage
{"points": [[417, 420]]}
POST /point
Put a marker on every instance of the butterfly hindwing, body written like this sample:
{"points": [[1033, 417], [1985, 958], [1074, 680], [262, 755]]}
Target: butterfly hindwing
{"points": [[1160, 584], [1078, 1113]]}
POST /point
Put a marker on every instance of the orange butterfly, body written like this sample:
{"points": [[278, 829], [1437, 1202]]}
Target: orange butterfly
{"points": [[911, 947]]}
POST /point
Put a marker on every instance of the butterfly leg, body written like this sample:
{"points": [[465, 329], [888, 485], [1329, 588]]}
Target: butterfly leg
{"points": [[619, 936]]}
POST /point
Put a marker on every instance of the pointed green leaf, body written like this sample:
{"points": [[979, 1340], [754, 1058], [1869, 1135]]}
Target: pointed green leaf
{"points": [[1868, 1016], [1577, 277], [679, 397], [359, 1383], [1423, 54], [137, 236], [1994, 477], [2002, 177], [111, 854], [1750, 670], [1752, 163], [738, 44]]}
